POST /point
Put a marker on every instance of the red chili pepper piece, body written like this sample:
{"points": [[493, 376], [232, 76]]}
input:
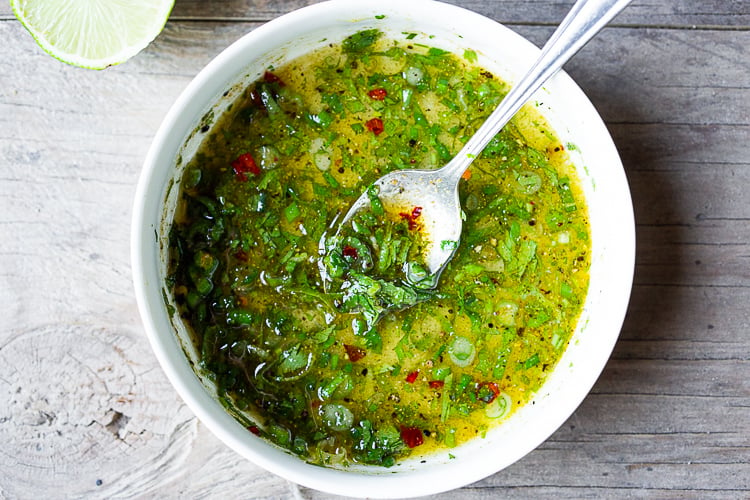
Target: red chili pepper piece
{"points": [[375, 126], [349, 251], [412, 217], [254, 429], [244, 164], [412, 376], [354, 353], [494, 391], [269, 77], [411, 436], [436, 384], [377, 94]]}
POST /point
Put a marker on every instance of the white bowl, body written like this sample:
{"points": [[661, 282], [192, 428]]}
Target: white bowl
{"points": [[506, 54]]}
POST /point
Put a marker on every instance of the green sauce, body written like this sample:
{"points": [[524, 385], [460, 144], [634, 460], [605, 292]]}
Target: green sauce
{"points": [[348, 370]]}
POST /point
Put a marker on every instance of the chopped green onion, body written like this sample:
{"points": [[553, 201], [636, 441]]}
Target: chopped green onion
{"points": [[450, 437], [326, 391], [448, 245], [337, 417], [238, 317], [440, 373], [291, 212], [376, 204], [463, 383], [445, 399], [531, 362], [530, 182], [330, 179], [499, 407], [462, 352], [557, 340]]}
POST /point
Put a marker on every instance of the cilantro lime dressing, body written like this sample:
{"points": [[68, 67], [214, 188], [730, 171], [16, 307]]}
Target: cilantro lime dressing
{"points": [[284, 315]]}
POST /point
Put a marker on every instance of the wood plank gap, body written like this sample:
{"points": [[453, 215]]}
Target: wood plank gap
{"points": [[689, 285], [706, 360], [626, 26], [668, 224], [577, 439], [597, 487], [676, 395], [679, 166], [680, 124], [702, 217], [629, 26], [676, 27]]}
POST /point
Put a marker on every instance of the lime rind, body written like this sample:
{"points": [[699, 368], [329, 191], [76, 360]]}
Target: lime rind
{"points": [[93, 34]]}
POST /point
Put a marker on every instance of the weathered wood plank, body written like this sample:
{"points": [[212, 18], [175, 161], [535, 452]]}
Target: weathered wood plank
{"points": [[559, 492], [720, 379], [683, 255], [653, 465], [662, 13], [679, 77], [607, 445], [687, 13], [707, 315]]}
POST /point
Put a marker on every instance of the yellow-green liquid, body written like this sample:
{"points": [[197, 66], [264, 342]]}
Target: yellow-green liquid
{"points": [[246, 257]]}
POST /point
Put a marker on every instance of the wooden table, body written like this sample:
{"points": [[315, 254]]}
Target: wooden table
{"points": [[85, 409]]}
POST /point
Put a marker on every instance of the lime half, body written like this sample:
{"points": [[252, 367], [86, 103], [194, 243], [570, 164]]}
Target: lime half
{"points": [[93, 33]]}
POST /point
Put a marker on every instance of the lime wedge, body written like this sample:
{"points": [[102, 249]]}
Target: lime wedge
{"points": [[93, 33]]}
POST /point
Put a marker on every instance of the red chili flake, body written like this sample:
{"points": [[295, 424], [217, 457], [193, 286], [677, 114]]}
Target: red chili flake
{"points": [[377, 94], [412, 217], [269, 77], [244, 164], [354, 353], [241, 255], [349, 251], [412, 376], [375, 126], [436, 384], [254, 429], [411, 436], [494, 391]]}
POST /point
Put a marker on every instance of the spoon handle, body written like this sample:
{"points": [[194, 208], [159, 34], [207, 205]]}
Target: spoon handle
{"points": [[583, 21]]}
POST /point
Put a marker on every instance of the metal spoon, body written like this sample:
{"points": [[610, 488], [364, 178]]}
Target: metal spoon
{"points": [[436, 191]]}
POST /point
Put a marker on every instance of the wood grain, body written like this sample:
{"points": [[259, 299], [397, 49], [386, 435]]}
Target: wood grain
{"points": [[693, 14], [85, 410]]}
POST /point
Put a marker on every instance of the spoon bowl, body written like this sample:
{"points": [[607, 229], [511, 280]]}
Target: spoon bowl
{"points": [[436, 194]]}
